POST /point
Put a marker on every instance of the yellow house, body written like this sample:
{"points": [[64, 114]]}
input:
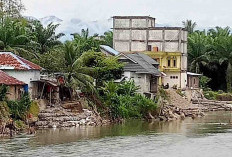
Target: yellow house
{"points": [[170, 65]]}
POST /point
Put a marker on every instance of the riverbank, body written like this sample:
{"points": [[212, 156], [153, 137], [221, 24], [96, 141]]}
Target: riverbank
{"points": [[179, 107], [132, 138]]}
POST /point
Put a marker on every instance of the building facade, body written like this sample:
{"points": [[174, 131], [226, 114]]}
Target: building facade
{"points": [[167, 45], [143, 70], [21, 69]]}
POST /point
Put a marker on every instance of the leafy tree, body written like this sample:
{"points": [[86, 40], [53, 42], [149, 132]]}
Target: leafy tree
{"points": [[198, 45], [77, 75], [45, 37], [11, 8], [15, 36], [105, 68], [85, 42], [108, 38], [222, 52], [189, 25]]}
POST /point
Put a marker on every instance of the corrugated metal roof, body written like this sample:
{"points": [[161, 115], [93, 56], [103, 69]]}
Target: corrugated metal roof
{"points": [[143, 64], [8, 60], [193, 74], [109, 50], [9, 80]]}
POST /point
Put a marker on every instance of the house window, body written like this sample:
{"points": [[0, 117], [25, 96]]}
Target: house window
{"points": [[174, 62], [171, 77], [149, 47], [169, 62], [176, 77]]}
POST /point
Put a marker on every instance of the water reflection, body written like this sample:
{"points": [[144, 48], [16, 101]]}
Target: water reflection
{"points": [[132, 138]]}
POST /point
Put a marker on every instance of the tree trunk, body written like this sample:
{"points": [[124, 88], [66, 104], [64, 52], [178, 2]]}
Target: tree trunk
{"points": [[229, 77]]}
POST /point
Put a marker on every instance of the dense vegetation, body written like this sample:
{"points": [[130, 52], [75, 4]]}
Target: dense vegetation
{"points": [[83, 65], [209, 53], [80, 60]]}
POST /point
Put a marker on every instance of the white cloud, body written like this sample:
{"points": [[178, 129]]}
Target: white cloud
{"points": [[206, 13]]}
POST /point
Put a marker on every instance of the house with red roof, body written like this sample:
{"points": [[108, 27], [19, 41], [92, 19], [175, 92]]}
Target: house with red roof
{"points": [[22, 70], [15, 86]]}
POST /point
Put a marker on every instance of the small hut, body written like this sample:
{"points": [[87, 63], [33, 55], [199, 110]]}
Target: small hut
{"points": [[16, 87]]}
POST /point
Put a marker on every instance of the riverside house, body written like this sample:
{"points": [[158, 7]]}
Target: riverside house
{"points": [[16, 87], [143, 70], [22, 70], [167, 45]]}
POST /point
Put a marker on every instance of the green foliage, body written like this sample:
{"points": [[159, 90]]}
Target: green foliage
{"points": [[34, 109], [4, 112], [11, 8], [204, 80], [3, 92], [123, 102], [52, 61], [45, 37], [224, 97], [210, 52], [189, 25], [108, 38], [210, 95], [85, 42], [19, 109], [105, 68], [20, 124]]}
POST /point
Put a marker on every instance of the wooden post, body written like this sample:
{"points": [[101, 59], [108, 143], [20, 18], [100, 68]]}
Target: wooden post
{"points": [[42, 91], [50, 97]]}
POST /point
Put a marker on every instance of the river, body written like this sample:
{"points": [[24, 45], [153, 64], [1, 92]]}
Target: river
{"points": [[210, 136]]}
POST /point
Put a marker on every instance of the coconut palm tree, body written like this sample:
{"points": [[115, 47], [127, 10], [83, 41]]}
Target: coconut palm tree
{"points": [[108, 38], [198, 45], [189, 25], [45, 37], [15, 36], [85, 42], [77, 75]]}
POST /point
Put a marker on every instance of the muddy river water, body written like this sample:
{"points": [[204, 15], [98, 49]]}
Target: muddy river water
{"points": [[210, 136]]}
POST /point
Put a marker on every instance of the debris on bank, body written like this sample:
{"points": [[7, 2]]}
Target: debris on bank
{"points": [[57, 117], [179, 107]]}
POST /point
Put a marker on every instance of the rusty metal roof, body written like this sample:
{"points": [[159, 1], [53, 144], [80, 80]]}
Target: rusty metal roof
{"points": [[8, 60], [9, 80]]}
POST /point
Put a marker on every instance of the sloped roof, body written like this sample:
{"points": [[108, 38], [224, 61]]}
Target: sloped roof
{"points": [[141, 64], [193, 74], [8, 60], [148, 59], [109, 50], [9, 80]]}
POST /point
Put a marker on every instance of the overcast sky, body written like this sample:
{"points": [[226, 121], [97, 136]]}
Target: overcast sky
{"points": [[207, 13]]}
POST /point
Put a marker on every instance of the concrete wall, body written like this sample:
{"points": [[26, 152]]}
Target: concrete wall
{"points": [[166, 40], [14, 92], [26, 77], [142, 80], [121, 23], [172, 81]]}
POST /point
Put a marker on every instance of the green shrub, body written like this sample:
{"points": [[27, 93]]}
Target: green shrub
{"points": [[224, 97], [19, 109], [123, 102], [210, 95], [204, 81], [4, 112], [3, 92], [34, 109], [20, 124]]}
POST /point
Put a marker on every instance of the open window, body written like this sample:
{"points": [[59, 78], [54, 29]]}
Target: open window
{"points": [[169, 62]]}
